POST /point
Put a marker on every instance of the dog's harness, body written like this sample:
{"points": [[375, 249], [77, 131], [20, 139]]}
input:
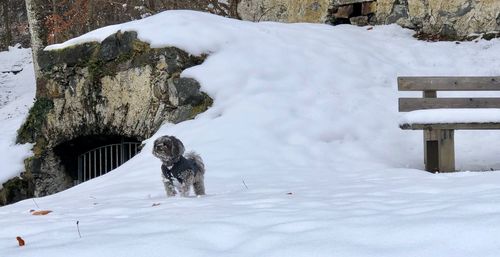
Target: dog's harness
{"points": [[181, 166]]}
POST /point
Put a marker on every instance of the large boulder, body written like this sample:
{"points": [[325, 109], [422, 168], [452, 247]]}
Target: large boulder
{"points": [[118, 87]]}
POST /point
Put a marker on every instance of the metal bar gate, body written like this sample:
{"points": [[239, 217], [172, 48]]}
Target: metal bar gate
{"points": [[101, 160]]}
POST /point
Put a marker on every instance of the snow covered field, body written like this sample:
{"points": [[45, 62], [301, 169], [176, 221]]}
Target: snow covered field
{"points": [[306, 115]]}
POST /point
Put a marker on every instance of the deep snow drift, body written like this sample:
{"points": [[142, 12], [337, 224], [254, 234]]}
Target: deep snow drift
{"points": [[306, 115]]}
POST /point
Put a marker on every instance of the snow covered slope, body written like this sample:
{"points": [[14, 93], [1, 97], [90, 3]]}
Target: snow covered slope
{"points": [[16, 97], [303, 152]]}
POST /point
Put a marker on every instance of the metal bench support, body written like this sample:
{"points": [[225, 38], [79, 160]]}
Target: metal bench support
{"points": [[439, 150]]}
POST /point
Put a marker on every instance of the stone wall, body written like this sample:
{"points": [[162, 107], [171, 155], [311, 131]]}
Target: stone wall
{"points": [[119, 87]]}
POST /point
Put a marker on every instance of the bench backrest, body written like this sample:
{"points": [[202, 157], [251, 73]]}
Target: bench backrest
{"points": [[430, 85]]}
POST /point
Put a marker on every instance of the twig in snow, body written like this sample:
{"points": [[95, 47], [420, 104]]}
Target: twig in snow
{"points": [[35, 203], [244, 183], [78, 228]]}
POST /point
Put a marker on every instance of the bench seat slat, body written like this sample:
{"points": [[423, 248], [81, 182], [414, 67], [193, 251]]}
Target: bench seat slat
{"points": [[461, 126], [412, 104], [449, 83]]}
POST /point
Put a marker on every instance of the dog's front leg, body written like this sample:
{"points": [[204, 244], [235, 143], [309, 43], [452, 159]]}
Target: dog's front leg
{"points": [[184, 189], [169, 187]]}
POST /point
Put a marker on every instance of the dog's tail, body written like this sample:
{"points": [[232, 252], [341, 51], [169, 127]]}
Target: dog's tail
{"points": [[196, 158]]}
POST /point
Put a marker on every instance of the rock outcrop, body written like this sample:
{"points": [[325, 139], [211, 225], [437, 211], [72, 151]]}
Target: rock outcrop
{"points": [[119, 87], [454, 19], [314, 11]]}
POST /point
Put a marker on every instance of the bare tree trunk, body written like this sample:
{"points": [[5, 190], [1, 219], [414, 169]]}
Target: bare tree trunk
{"points": [[54, 12], [6, 23], [152, 5], [90, 15], [36, 33]]}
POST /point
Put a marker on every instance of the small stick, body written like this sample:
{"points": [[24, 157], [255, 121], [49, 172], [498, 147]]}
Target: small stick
{"points": [[35, 203], [244, 183], [78, 228]]}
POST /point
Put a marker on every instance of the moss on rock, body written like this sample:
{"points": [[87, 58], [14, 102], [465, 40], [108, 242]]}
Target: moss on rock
{"points": [[203, 106], [17, 189], [32, 127]]}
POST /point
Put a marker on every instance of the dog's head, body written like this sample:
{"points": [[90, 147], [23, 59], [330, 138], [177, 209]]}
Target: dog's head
{"points": [[168, 149]]}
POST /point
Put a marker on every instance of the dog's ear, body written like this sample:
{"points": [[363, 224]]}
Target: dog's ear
{"points": [[157, 141], [177, 147]]}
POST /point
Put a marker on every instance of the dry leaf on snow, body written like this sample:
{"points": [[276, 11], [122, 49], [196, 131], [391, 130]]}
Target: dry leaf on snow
{"points": [[20, 241], [42, 212]]}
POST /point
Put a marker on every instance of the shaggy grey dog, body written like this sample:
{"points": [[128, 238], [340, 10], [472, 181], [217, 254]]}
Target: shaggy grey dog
{"points": [[178, 171]]}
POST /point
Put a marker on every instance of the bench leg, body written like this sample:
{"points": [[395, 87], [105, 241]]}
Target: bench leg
{"points": [[439, 150]]}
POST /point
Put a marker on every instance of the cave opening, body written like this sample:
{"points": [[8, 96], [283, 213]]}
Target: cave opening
{"points": [[355, 12], [88, 157]]}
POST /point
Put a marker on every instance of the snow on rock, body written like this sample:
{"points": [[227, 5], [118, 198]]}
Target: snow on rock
{"points": [[306, 117], [16, 97]]}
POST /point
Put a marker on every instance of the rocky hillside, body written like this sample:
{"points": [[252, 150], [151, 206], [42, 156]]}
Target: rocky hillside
{"points": [[62, 20], [454, 19]]}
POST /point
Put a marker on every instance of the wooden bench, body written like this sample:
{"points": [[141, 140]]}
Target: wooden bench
{"points": [[439, 152]]}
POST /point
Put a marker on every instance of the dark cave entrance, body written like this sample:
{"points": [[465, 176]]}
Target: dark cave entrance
{"points": [[355, 12], [88, 157], [357, 9]]}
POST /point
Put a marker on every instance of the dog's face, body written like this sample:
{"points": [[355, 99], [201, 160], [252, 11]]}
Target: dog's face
{"points": [[168, 149]]}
